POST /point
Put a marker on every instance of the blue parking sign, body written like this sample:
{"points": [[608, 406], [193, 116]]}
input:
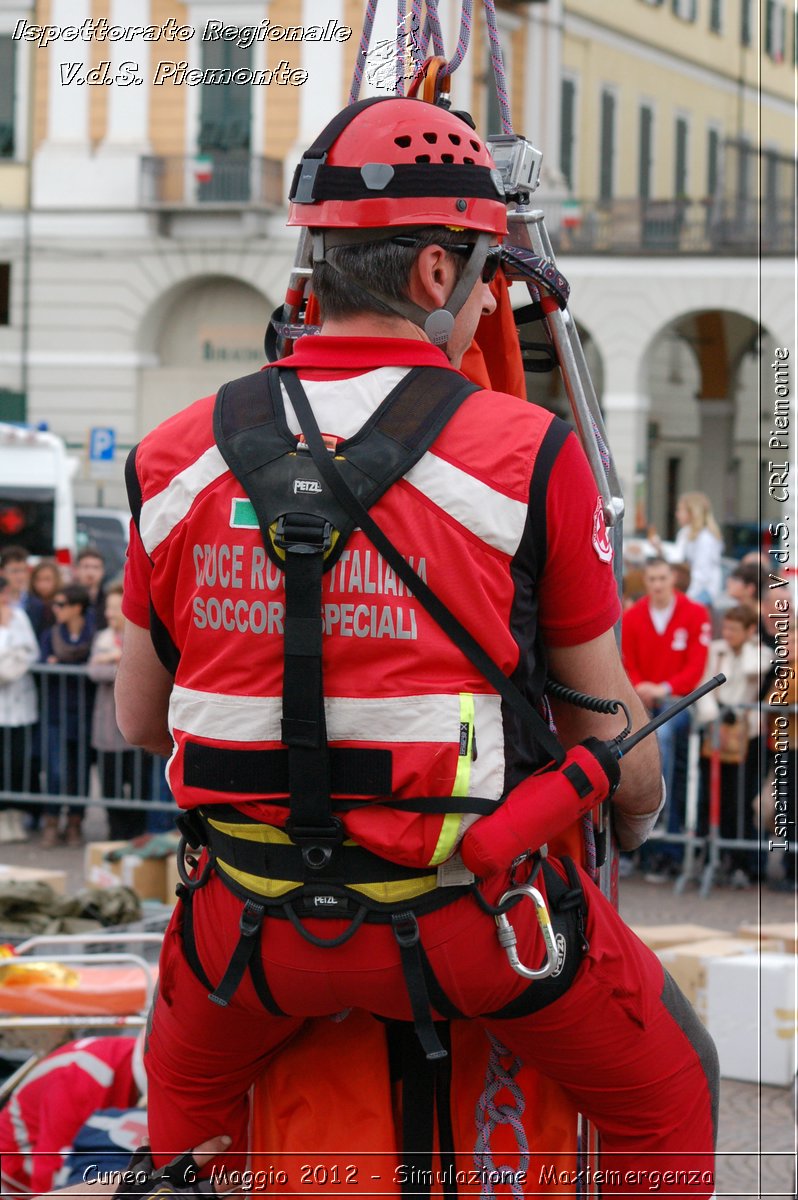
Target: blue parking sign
{"points": [[102, 444]]}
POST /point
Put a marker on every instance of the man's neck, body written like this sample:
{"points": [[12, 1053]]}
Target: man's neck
{"points": [[373, 325], [662, 604]]}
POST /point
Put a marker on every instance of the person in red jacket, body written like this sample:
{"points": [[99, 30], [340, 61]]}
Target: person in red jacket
{"points": [[45, 1112], [665, 641]]}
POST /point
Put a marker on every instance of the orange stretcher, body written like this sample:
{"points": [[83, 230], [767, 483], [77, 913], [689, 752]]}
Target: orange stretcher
{"points": [[57, 982]]}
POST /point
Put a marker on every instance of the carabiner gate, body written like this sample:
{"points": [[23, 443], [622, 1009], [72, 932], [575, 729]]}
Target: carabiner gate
{"points": [[507, 936]]}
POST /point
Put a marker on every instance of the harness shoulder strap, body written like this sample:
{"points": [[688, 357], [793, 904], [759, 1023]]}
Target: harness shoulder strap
{"points": [[281, 478], [440, 613]]}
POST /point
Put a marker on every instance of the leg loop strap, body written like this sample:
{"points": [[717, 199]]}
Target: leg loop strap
{"points": [[406, 932], [249, 925]]}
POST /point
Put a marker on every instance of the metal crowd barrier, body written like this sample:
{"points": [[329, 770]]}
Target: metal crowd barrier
{"points": [[721, 833], [53, 763]]}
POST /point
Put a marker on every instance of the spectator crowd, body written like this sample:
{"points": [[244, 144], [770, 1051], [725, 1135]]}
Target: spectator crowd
{"points": [[60, 640], [682, 626]]}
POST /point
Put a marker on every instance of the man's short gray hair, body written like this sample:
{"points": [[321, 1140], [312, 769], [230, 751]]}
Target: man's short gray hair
{"points": [[347, 288]]}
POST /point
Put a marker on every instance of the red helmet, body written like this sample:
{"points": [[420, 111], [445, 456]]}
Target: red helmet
{"points": [[396, 162]]}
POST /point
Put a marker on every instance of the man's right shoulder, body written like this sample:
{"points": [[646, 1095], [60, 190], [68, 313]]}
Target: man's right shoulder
{"points": [[175, 444]]}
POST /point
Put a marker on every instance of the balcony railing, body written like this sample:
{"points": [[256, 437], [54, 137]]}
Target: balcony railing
{"points": [[725, 226], [215, 180]]}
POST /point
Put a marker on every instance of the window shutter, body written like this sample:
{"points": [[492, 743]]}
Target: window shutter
{"points": [[567, 117], [6, 97], [607, 145], [644, 165]]}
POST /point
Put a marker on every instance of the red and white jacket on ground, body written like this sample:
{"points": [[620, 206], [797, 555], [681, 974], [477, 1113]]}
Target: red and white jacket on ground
{"points": [[54, 1100], [478, 517], [677, 656]]}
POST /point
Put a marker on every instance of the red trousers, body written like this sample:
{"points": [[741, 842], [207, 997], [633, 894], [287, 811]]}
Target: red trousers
{"points": [[623, 1042]]}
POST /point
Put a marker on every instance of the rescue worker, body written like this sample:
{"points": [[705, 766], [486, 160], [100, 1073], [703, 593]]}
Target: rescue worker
{"points": [[499, 516], [46, 1111]]}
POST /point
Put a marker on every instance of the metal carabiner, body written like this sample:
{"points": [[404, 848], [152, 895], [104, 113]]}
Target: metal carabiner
{"points": [[507, 936]]}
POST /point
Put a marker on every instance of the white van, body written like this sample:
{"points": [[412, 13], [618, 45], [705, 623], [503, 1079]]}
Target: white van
{"points": [[37, 506]]}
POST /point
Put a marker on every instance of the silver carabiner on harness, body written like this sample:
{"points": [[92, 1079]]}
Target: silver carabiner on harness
{"points": [[507, 936]]}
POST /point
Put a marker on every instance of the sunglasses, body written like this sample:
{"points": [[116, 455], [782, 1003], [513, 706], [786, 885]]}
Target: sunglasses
{"points": [[489, 268]]}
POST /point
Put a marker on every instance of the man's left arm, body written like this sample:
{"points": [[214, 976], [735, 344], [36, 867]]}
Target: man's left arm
{"points": [[595, 668]]}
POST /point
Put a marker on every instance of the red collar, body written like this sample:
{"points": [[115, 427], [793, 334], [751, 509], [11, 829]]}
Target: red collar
{"points": [[362, 353]]}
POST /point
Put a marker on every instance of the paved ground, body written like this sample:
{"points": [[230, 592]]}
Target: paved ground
{"points": [[757, 1134]]}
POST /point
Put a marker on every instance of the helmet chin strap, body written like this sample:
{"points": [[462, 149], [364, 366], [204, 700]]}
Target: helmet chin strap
{"points": [[437, 324]]}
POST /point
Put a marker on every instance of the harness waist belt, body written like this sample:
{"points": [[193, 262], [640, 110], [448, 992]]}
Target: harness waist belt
{"points": [[260, 861]]}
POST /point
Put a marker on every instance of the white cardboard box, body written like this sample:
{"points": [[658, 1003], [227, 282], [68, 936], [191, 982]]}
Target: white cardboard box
{"points": [[752, 1015]]}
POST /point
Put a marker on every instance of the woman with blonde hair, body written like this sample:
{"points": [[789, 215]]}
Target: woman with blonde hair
{"points": [[700, 543]]}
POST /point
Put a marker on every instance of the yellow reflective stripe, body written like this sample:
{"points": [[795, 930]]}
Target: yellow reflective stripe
{"points": [[450, 828], [271, 888], [268, 834], [397, 889], [251, 833], [390, 892]]}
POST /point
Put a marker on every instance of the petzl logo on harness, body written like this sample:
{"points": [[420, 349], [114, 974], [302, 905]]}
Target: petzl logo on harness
{"points": [[306, 486]]}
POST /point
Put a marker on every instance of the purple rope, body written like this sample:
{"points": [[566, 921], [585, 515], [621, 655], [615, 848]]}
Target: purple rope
{"points": [[362, 51], [497, 63], [604, 453], [463, 37], [434, 24], [401, 46], [419, 35], [489, 1114]]}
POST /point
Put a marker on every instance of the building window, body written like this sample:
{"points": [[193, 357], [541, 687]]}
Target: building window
{"points": [[5, 293], [713, 163], [775, 30], [567, 130], [680, 166], [645, 149], [716, 16], [607, 146], [687, 10], [745, 22], [6, 97]]}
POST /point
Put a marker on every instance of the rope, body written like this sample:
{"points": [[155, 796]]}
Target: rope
{"points": [[433, 24], [419, 36], [463, 37], [589, 845], [362, 51], [604, 453], [401, 46], [489, 1115], [497, 62]]}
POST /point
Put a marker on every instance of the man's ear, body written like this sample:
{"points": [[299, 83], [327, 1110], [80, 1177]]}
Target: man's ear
{"points": [[432, 278]]}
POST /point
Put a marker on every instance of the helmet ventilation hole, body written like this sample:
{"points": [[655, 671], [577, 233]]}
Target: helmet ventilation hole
{"points": [[430, 137], [423, 158], [448, 158], [403, 141], [455, 139], [466, 159]]}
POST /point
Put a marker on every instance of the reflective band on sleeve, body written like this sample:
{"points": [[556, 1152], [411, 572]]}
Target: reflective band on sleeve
{"points": [[162, 512], [452, 822]]}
